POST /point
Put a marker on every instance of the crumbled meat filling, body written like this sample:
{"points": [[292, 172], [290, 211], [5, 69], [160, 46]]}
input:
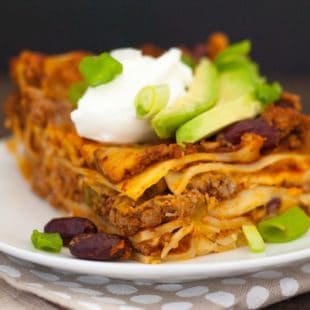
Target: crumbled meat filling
{"points": [[214, 184], [129, 217], [292, 127]]}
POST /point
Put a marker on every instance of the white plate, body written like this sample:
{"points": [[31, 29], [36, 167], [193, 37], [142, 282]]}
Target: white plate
{"points": [[21, 212]]}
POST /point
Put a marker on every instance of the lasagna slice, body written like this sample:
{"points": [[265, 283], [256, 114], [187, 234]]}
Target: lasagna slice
{"points": [[171, 201]]}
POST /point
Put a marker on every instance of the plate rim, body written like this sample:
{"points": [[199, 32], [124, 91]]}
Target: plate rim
{"points": [[148, 271]]}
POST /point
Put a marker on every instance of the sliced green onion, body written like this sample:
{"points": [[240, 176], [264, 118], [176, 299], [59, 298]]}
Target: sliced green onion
{"points": [[101, 69], [150, 100], [50, 242], [268, 93], [235, 53], [188, 60], [76, 91], [285, 227], [255, 240]]}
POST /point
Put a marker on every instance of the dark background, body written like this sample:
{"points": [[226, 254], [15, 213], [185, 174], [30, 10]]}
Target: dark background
{"points": [[279, 29]]}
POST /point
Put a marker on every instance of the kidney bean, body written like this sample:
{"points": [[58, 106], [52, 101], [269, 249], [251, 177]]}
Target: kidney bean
{"points": [[259, 126], [69, 227], [100, 246], [273, 206]]}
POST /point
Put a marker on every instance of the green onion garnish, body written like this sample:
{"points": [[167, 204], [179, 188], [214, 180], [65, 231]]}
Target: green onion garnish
{"points": [[285, 227], [50, 242], [188, 60], [76, 91], [268, 93], [235, 53], [255, 240], [150, 100], [101, 69]]}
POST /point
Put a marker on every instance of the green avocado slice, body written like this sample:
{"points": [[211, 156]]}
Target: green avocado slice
{"points": [[200, 97], [236, 101], [222, 115], [242, 94], [237, 82]]}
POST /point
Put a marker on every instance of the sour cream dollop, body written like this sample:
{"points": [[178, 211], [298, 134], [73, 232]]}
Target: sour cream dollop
{"points": [[106, 113]]}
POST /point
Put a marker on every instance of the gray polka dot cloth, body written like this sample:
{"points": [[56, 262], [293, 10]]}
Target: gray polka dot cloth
{"points": [[75, 291]]}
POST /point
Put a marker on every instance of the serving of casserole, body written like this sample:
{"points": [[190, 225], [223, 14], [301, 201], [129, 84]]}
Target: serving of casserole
{"points": [[182, 152]]}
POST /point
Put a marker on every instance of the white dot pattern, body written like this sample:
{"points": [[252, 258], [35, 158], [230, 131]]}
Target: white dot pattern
{"points": [[146, 299], [268, 274], [169, 287], [10, 271], [143, 283], [220, 298], [67, 284], [46, 276], [86, 291], [95, 280], [121, 289], [252, 291], [193, 291], [256, 297], [289, 286]]}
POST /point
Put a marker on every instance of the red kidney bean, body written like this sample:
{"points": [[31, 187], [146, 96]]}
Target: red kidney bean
{"points": [[100, 246], [69, 227], [259, 126]]}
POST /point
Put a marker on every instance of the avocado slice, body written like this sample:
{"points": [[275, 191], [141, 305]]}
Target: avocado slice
{"points": [[200, 97], [237, 82], [242, 94], [236, 101], [222, 115]]}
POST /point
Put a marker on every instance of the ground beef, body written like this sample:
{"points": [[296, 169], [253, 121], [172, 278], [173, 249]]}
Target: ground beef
{"points": [[214, 184], [129, 218], [293, 128], [55, 182], [43, 111], [289, 100]]}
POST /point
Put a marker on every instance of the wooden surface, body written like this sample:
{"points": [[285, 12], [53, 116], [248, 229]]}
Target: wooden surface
{"points": [[298, 84]]}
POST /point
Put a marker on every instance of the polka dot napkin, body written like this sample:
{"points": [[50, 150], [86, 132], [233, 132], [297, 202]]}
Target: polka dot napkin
{"points": [[88, 292]]}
